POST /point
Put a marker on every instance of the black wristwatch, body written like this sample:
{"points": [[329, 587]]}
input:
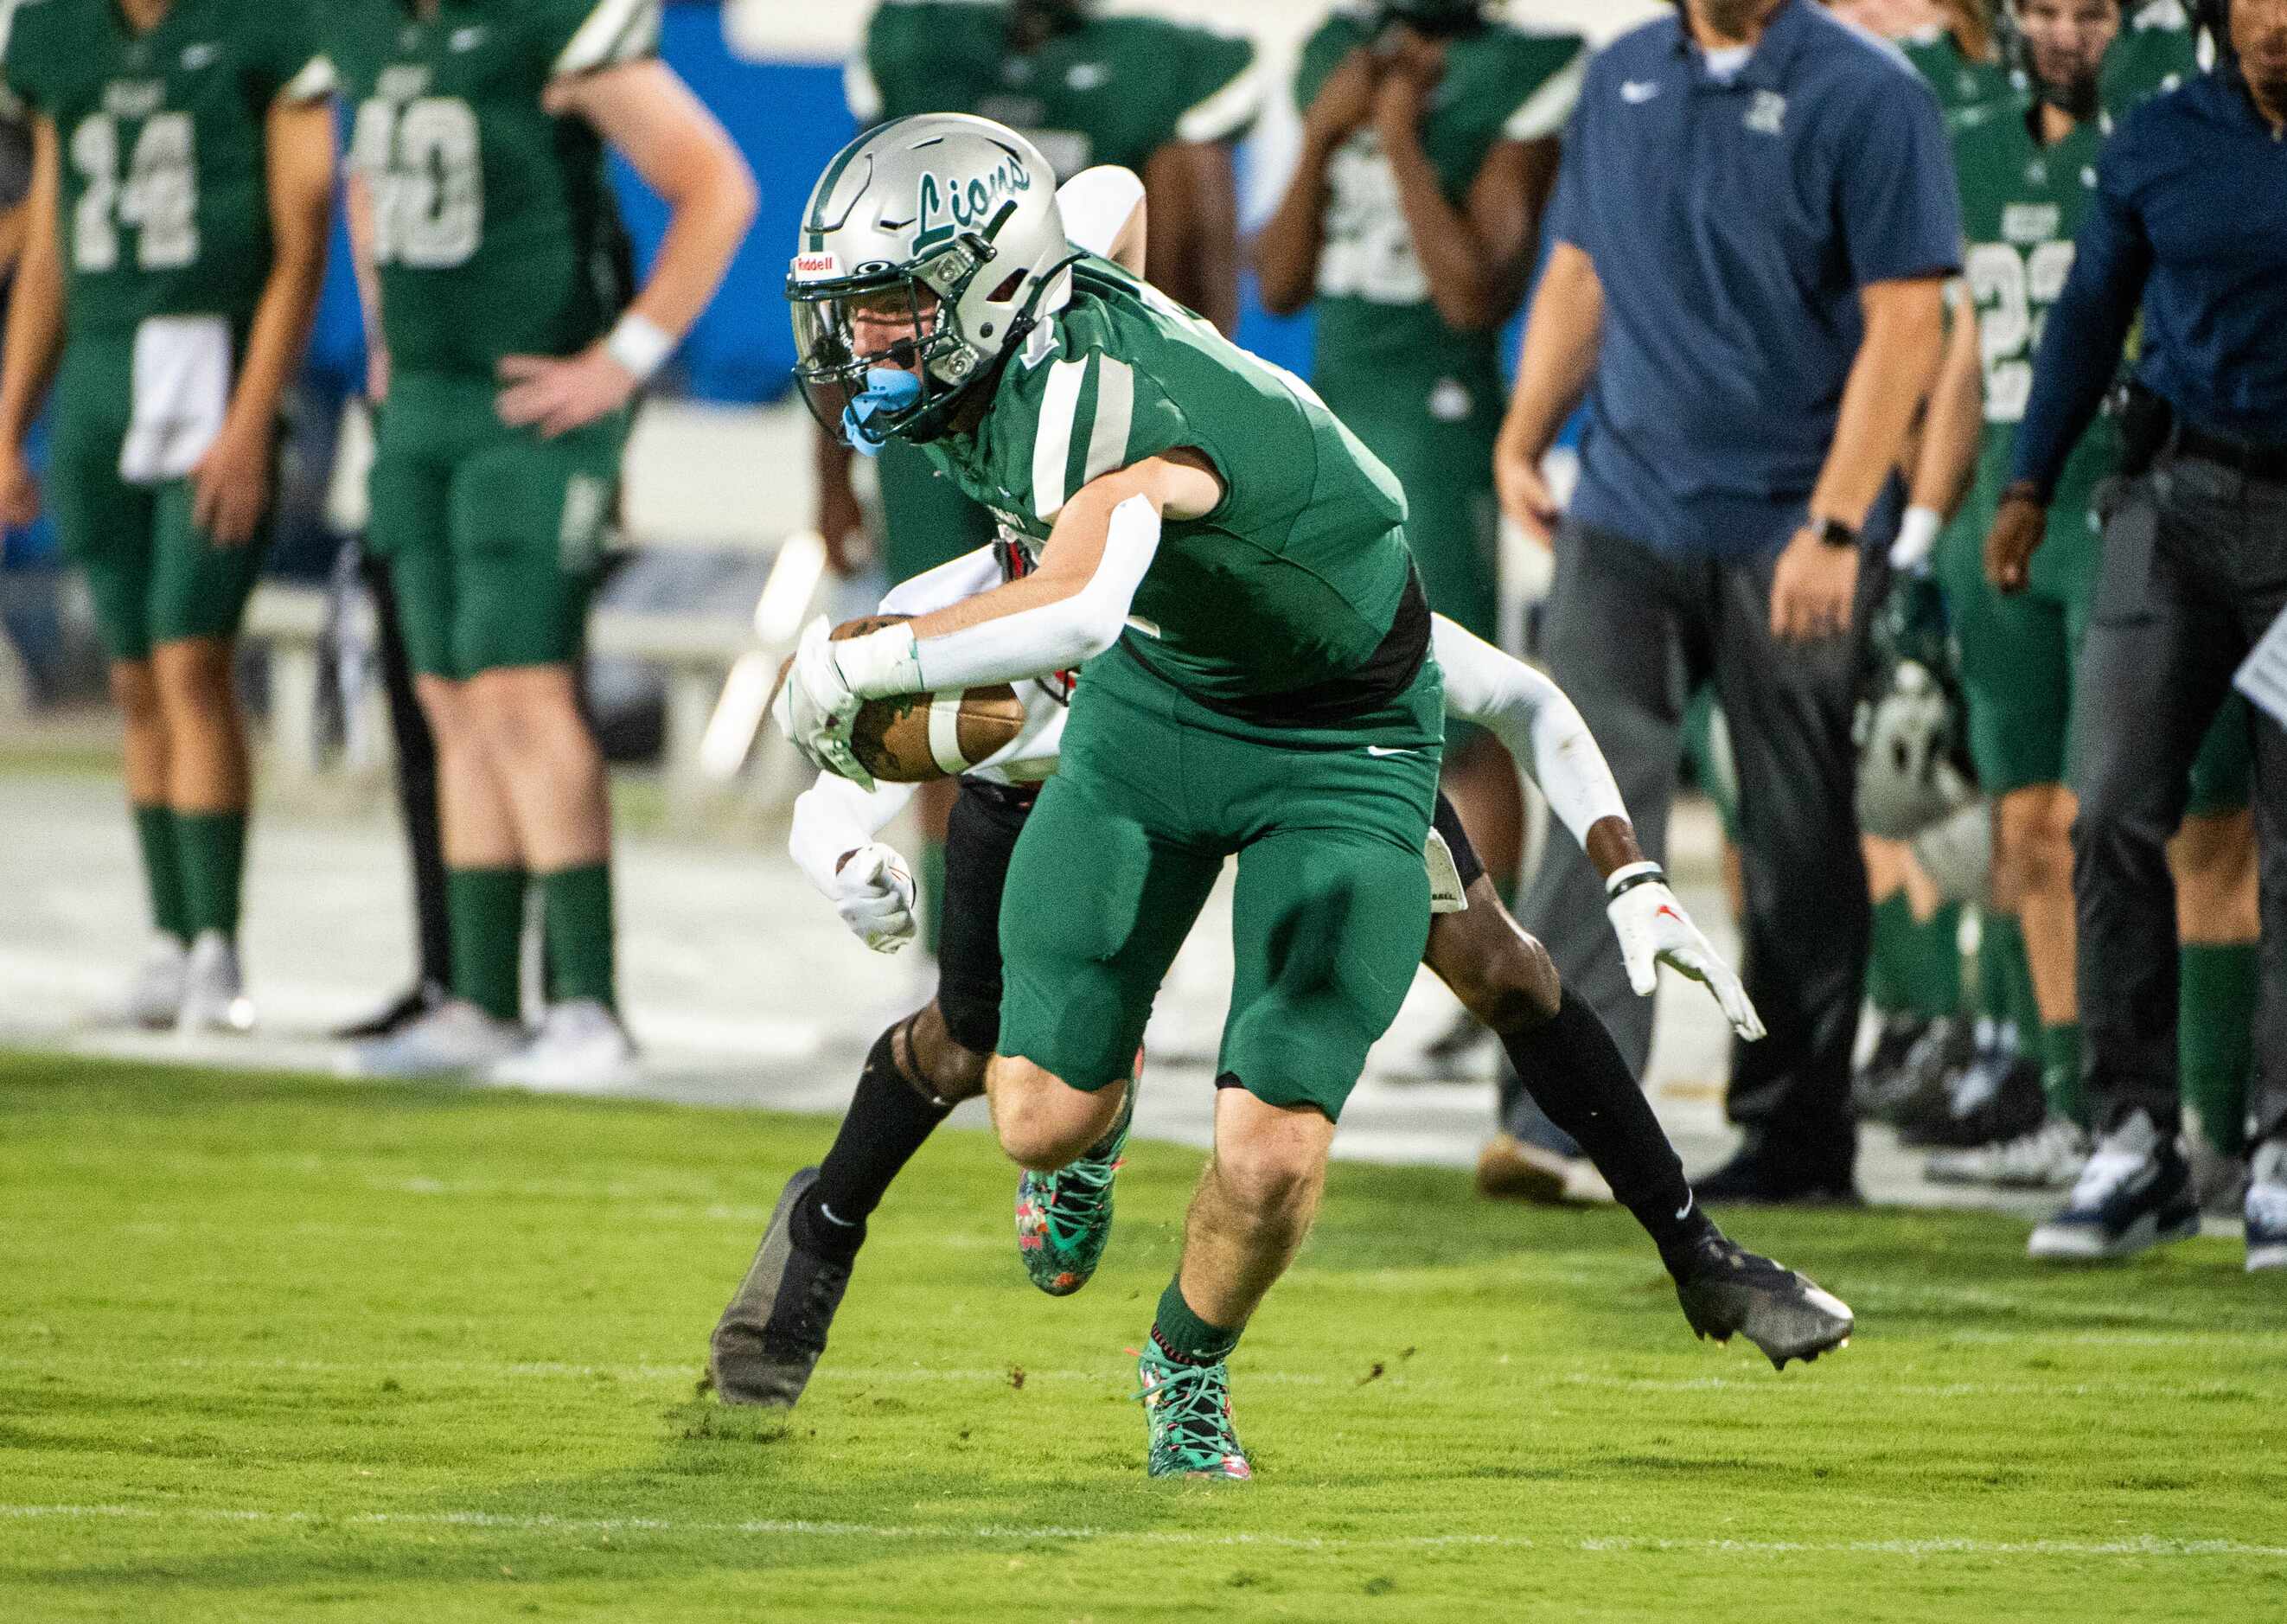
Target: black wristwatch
{"points": [[1834, 533]]}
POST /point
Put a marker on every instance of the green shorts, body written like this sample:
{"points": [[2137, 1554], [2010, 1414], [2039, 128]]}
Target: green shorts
{"points": [[492, 534], [2018, 658], [153, 574], [926, 520], [1332, 910]]}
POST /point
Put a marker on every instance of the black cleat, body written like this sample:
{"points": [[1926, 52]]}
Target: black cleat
{"points": [[410, 1006], [1726, 1289], [1878, 1080], [1920, 1088], [769, 1338]]}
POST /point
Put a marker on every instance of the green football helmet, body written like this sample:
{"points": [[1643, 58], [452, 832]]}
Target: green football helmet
{"points": [[930, 247]]}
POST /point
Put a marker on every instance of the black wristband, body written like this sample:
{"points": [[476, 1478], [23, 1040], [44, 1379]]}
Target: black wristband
{"points": [[1653, 875]]}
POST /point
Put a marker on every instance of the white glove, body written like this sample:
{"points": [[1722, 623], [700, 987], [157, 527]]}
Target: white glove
{"points": [[815, 706], [1654, 930], [873, 893]]}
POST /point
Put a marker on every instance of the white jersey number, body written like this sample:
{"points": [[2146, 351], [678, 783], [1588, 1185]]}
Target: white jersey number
{"points": [[1368, 252], [2014, 288], [158, 196], [423, 164]]}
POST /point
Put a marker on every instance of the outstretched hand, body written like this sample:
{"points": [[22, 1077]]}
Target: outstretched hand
{"points": [[1654, 930]]}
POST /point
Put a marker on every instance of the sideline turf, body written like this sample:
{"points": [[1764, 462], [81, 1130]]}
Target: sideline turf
{"points": [[288, 1348]]}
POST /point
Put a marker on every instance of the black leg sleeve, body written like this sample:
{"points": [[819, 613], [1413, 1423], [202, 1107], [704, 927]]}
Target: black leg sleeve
{"points": [[1573, 1070], [888, 1121], [416, 781]]}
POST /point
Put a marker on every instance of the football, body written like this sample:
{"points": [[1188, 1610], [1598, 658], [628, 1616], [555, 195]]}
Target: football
{"points": [[915, 738]]}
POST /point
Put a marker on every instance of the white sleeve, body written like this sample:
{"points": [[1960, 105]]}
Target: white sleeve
{"points": [[833, 816], [946, 585], [1055, 637], [1531, 716], [1096, 204]]}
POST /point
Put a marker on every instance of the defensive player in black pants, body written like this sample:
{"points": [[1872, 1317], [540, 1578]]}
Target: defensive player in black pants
{"points": [[773, 1330]]}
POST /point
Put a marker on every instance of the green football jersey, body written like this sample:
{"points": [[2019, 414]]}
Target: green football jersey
{"points": [[165, 207], [1294, 578], [1962, 82], [2022, 206], [1113, 90], [494, 230], [1374, 313]]}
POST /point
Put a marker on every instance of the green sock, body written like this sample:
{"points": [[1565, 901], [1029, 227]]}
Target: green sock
{"points": [[1915, 968], [484, 910], [213, 847], [2000, 955], [576, 903], [2215, 1036], [2061, 1072], [163, 871], [2024, 1006], [1183, 1336], [932, 890]]}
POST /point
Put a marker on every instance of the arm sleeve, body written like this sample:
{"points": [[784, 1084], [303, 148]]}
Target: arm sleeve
{"points": [[1898, 206], [1534, 720], [2083, 331], [584, 36], [833, 816], [1097, 415]]}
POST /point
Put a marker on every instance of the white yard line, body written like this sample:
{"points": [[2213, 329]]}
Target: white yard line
{"points": [[2143, 1547]]}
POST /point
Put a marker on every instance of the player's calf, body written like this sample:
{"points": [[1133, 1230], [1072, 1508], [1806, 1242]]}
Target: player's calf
{"points": [[1043, 1121]]}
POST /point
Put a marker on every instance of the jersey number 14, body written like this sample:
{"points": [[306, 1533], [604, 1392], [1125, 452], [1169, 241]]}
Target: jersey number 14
{"points": [[158, 196], [421, 158]]}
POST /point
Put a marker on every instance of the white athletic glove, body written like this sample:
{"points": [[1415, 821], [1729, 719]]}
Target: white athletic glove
{"points": [[1654, 930], [873, 893], [815, 706]]}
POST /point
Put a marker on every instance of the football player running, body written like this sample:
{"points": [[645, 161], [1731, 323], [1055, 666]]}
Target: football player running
{"points": [[510, 352], [181, 190], [1112, 870], [2027, 170]]}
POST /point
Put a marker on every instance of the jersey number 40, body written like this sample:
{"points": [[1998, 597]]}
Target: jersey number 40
{"points": [[422, 160]]}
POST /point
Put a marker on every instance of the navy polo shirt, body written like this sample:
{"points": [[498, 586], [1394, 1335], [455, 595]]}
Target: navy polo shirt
{"points": [[1732, 225]]}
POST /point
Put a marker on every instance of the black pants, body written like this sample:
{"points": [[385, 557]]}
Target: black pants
{"points": [[1630, 635], [416, 779], [2194, 570]]}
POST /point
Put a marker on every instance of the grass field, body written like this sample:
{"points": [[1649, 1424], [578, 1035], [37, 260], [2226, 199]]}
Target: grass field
{"points": [[286, 1348]]}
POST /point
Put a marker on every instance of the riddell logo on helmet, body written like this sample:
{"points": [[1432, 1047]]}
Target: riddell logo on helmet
{"points": [[810, 267]]}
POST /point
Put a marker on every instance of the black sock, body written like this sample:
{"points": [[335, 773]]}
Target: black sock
{"points": [[888, 1120], [1574, 1071]]}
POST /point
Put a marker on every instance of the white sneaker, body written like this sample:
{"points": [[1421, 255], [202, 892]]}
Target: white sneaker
{"points": [[581, 1047], [2266, 1207], [455, 1036], [2048, 1157], [214, 999], [155, 996]]}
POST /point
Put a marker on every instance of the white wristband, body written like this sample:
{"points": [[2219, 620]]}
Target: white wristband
{"points": [[1917, 536], [881, 663], [640, 344]]}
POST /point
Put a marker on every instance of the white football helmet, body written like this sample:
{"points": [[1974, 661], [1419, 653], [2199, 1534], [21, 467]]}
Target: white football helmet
{"points": [[929, 246]]}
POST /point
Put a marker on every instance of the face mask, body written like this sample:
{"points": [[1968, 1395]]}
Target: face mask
{"points": [[889, 392]]}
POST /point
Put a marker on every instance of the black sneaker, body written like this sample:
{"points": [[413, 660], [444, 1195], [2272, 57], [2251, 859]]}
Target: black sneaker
{"points": [[1875, 1081], [1921, 1085], [1756, 1178], [2135, 1192], [410, 1006], [770, 1338], [1998, 1097], [1726, 1289]]}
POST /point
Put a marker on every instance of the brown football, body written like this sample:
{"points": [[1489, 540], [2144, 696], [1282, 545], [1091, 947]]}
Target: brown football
{"points": [[892, 737]]}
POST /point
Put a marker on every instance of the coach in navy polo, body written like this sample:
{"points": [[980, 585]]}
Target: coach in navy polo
{"points": [[1753, 228]]}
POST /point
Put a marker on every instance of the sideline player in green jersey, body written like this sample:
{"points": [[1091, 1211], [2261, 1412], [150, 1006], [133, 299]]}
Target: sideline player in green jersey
{"points": [[1429, 148], [1160, 98], [2027, 166], [509, 353], [1230, 565], [182, 187]]}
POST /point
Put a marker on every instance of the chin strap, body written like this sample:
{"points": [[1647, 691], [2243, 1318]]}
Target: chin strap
{"points": [[888, 393]]}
